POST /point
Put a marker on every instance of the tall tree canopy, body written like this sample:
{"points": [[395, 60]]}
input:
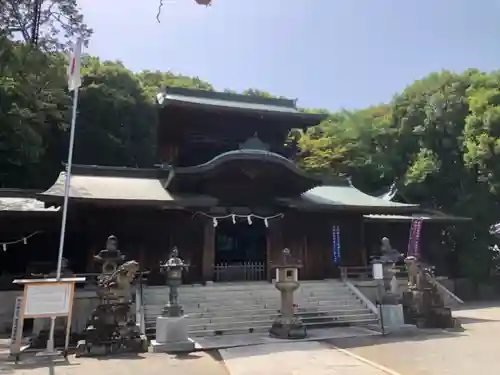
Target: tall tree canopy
{"points": [[60, 22]]}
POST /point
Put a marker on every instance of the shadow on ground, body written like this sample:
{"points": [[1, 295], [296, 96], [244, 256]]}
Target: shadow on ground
{"points": [[415, 336], [124, 356], [470, 320], [32, 362], [475, 305]]}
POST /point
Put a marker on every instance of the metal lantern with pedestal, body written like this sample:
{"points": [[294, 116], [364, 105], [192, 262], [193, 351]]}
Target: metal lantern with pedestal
{"points": [[287, 325], [171, 327], [173, 268]]}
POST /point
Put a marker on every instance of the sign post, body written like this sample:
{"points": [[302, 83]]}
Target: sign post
{"points": [[378, 276], [15, 342], [43, 298]]}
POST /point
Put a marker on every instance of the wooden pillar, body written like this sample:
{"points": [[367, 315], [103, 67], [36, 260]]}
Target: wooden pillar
{"points": [[364, 255], [305, 257], [275, 245], [208, 257], [142, 259]]}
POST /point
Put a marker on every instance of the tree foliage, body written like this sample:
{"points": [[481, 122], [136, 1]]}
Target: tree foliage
{"points": [[60, 22], [438, 139]]}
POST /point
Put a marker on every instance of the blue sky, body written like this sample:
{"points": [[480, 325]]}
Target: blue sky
{"points": [[328, 53]]}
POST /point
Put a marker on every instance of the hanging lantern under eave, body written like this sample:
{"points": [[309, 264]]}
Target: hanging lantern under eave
{"points": [[204, 2]]}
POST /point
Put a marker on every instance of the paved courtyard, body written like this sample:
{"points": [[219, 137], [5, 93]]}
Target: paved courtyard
{"points": [[474, 351], [201, 363], [427, 353]]}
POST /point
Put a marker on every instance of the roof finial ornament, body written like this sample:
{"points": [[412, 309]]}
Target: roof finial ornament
{"points": [[254, 143]]}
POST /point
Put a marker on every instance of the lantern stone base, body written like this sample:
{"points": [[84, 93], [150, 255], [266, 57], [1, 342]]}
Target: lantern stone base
{"points": [[425, 309], [392, 316], [290, 329], [171, 336]]}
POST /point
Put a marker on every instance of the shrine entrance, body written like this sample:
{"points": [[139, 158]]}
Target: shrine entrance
{"points": [[240, 251]]}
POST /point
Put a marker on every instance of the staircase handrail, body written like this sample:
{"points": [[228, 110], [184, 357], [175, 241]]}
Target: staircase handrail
{"points": [[445, 290], [369, 304]]}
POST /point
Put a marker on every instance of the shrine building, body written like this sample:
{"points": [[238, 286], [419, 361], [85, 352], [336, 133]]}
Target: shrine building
{"points": [[226, 192]]}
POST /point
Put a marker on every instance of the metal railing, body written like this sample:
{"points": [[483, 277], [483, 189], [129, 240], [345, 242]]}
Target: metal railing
{"points": [[366, 273], [244, 271], [139, 305]]}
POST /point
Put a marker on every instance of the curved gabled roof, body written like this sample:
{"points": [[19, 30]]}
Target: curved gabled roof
{"points": [[348, 195], [245, 154]]}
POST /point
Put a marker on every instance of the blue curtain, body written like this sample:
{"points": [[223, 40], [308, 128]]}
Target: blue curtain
{"points": [[336, 244]]}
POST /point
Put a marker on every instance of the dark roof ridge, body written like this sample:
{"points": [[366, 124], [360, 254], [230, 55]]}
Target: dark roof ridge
{"points": [[114, 171], [19, 193], [226, 96]]}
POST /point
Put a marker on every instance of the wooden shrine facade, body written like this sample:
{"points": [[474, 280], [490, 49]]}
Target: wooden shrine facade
{"points": [[225, 191]]}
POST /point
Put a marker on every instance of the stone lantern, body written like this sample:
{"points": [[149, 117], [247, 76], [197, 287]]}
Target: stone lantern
{"points": [[173, 269], [287, 325], [171, 327], [110, 257]]}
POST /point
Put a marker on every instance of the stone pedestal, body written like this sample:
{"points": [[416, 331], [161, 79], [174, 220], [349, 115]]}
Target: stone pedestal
{"points": [[287, 325], [292, 329], [424, 308], [171, 336], [392, 316]]}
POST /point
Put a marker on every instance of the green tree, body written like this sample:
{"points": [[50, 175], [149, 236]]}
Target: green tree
{"points": [[60, 22], [116, 119], [32, 103]]}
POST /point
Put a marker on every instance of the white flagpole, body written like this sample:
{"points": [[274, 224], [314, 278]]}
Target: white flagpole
{"points": [[67, 183], [74, 84]]}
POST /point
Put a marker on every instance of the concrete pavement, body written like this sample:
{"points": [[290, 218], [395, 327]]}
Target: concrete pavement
{"points": [[426, 353], [201, 363], [300, 358], [473, 351]]}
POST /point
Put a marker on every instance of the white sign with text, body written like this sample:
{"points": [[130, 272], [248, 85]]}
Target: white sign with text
{"points": [[48, 300]]}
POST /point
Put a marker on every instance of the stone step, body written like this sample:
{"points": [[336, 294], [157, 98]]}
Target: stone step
{"points": [[264, 327], [156, 309], [259, 289], [255, 304], [249, 286], [258, 314], [236, 301], [252, 307], [253, 294], [326, 316], [305, 320], [257, 295]]}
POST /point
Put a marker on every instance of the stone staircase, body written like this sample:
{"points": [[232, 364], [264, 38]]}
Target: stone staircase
{"points": [[233, 308]]}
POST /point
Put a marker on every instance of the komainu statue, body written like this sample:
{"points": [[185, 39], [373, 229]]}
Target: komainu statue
{"points": [[423, 303], [118, 284], [112, 327]]}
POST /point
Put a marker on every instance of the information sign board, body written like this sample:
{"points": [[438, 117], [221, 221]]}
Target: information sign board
{"points": [[48, 299]]}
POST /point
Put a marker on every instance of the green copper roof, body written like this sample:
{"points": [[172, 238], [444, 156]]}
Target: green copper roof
{"points": [[347, 196], [442, 218]]}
